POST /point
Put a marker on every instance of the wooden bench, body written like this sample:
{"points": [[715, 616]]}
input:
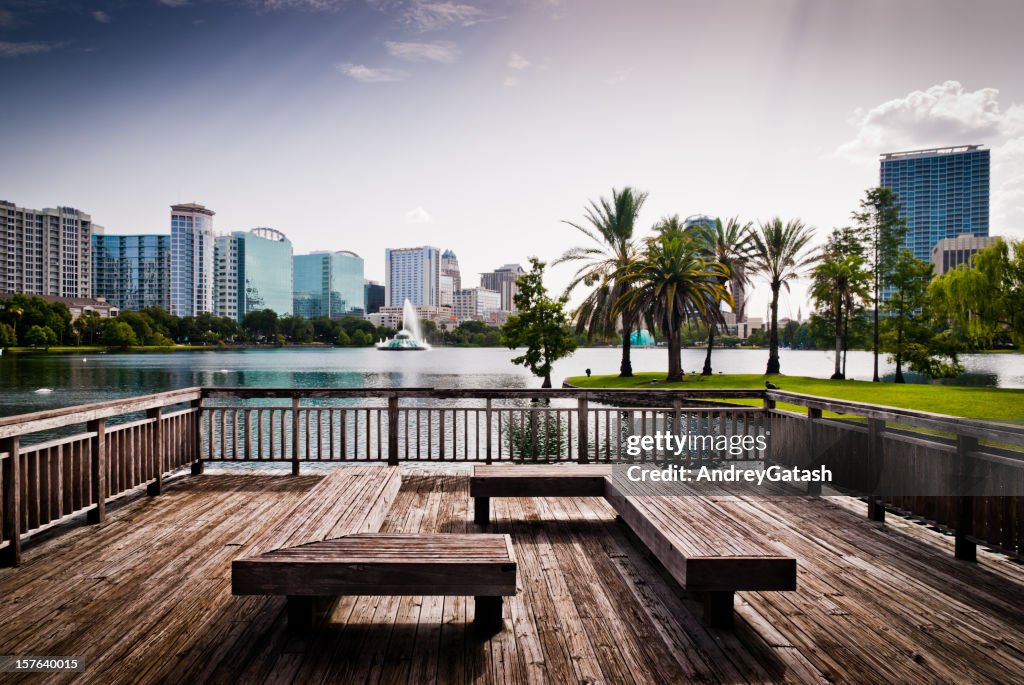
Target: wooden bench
{"points": [[328, 546], [552, 480], [701, 547]]}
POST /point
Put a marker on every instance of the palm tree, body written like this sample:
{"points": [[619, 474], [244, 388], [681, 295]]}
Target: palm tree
{"points": [[729, 244], [669, 282], [610, 230], [778, 255], [839, 281]]}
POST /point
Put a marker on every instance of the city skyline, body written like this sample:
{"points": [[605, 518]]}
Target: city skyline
{"points": [[362, 125]]}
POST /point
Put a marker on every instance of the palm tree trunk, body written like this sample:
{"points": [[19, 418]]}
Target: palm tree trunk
{"points": [[707, 357], [547, 380], [846, 338], [837, 374], [626, 367], [675, 370], [899, 355], [773, 334]]}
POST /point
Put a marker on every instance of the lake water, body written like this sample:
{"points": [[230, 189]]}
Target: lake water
{"points": [[81, 378]]}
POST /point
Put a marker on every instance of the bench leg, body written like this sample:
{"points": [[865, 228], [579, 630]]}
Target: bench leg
{"points": [[876, 510], [487, 618], [718, 609], [482, 510], [305, 613]]}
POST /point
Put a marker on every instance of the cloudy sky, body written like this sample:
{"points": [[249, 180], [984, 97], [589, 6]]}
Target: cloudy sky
{"points": [[365, 124]]}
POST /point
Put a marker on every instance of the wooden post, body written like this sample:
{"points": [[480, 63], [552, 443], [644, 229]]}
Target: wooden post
{"points": [[581, 425], [10, 484], [876, 510], [99, 471], [813, 415], [197, 445], [393, 430], [295, 435], [487, 618], [156, 487], [768, 403], [718, 609], [481, 510], [963, 548], [488, 418]]}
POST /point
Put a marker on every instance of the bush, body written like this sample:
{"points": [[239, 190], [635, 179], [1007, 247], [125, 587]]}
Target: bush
{"points": [[119, 334], [41, 336]]}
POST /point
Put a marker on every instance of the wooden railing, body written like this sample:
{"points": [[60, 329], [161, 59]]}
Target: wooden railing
{"points": [[58, 463], [124, 444]]}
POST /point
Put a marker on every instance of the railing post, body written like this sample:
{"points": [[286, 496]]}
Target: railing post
{"points": [[876, 510], [963, 548], [813, 415], [488, 418], [99, 471], [769, 403], [393, 430], [197, 445], [156, 487], [295, 435], [10, 483], [582, 419]]}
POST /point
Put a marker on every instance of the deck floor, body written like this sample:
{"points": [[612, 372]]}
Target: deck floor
{"points": [[146, 598]]}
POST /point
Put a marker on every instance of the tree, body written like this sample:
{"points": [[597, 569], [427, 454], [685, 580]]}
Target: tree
{"points": [[119, 334], [778, 255], [884, 232], [984, 301], [342, 338], [669, 282], [88, 326], [840, 282], [612, 249], [906, 331], [261, 324], [729, 244], [7, 336], [41, 336], [540, 325]]}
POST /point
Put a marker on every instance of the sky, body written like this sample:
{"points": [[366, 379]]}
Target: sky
{"points": [[482, 126]]}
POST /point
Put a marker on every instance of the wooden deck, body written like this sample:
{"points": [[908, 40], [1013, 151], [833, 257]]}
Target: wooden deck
{"points": [[146, 597]]}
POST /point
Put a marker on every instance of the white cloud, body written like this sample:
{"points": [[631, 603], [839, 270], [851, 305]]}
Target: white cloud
{"points": [[418, 216], [948, 114], [444, 52], [366, 74], [174, 3], [101, 16], [26, 49], [315, 5], [517, 61], [511, 81], [432, 16]]}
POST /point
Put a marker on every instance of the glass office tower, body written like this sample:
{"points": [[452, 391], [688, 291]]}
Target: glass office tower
{"points": [[132, 271], [253, 272], [329, 284], [192, 253], [944, 193]]}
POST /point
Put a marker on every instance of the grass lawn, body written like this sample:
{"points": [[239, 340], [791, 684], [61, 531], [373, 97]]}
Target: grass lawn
{"points": [[998, 404]]}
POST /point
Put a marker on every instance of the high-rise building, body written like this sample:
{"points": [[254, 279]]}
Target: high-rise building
{"points": [[253, 271], [373, 296], [45, 251], [329, 284], [476, 303], [943, 193], [192, 255], [414, 274], [503, 281], [949, 253], [451, 278], [132, 271]]}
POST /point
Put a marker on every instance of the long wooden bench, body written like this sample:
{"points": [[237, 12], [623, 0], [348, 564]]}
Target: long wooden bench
{"points": [[700, 546], [328, 546], [554, 480]]}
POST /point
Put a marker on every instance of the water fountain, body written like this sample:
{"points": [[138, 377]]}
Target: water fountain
{"points": [[410, 337]]}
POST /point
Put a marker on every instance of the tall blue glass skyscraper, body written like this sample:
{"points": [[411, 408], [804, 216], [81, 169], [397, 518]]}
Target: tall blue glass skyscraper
{"points": [[944, 193], [192, 250], [329, 284], [132, 271]]}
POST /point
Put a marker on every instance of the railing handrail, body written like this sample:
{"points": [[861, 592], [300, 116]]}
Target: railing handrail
{"points": [[21, 424], [978, 428], [482, 393]]}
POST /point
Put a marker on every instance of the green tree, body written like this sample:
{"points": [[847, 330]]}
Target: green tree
{"points": [[342, 338], [261, 324], [610, 251], [7, 336], [540, 325], [884, 232], [984, 300], [840, 283], [88, 327], [907, 335], [119, 334], [778, 254], [671, 281], [40, 336], [729, 244]]}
